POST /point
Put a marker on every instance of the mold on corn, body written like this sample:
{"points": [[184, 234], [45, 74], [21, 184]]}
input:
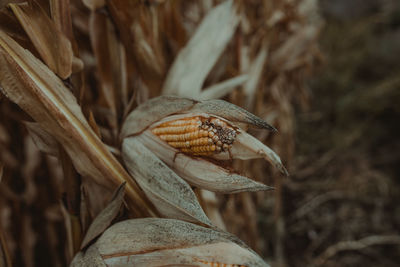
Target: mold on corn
{"points": [[198, 135]]}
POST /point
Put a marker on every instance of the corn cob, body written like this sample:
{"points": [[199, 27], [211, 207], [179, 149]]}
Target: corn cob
{"points": [[197, 136]]}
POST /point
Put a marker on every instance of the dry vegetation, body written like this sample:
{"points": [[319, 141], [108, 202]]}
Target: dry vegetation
{"points": [[102, 59], [344, 192]]}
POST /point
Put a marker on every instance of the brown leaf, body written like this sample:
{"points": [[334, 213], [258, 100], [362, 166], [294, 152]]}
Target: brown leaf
{"points": [[110, 60], [52, 45], [61, 15], [105, 217], [31, 85]]}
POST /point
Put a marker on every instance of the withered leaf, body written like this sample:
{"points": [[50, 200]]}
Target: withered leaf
{"points": [[255, 71], [169, 242], [53, 46], [94, 4], [200, 172], [193, 63], [105, 217], [110, 61], [26, 81], [42, 139], [223, 88], [171, 195], [89, 258], [232, 113]]}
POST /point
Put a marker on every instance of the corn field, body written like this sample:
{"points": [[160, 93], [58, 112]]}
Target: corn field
{"points": [[181, 133]]}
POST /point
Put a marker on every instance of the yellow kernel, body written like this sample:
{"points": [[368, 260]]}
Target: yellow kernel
{"points": [[180, 122], [197, 135]]}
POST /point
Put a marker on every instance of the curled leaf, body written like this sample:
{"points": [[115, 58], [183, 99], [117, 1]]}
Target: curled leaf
{"points": [[231, 113], [248, 147], [171, 195], [200, 172], [168, 242]]}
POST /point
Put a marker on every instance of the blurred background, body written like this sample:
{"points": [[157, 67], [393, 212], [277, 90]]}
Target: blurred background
{"points": [[325, 73], [341, 203]]}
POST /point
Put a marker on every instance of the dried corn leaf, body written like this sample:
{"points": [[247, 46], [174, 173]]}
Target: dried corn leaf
{"points": [[172, 196], [255, 71], [200, 172], [248, 147], [223, 88], [42, 139], [168, 242], [105, 217], [231, 113], [110, 60], [290, 54], [9, 24], [61, 15], [94, 4], [193, 63], [53, 46], [31, 85], [89, 258], [145, 53]]}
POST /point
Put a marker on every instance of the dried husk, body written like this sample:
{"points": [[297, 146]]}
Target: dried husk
{"points": [[171, 195], [200, 172], [166, 242], [160, 107]]}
